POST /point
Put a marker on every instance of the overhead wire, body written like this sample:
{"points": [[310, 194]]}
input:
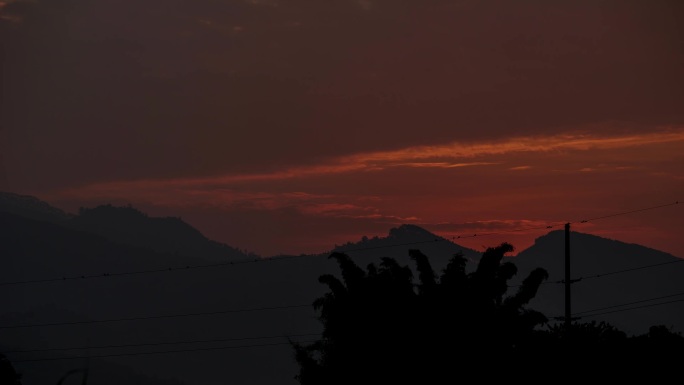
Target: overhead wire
{"points": [[629, 303], [627, 212], [549, 225], [160, 352], [631, 269], [224, 264], [584, 278], [632, 308], [256, 260], [148, 271], [301, 256], [154, 317], [162, 343]]}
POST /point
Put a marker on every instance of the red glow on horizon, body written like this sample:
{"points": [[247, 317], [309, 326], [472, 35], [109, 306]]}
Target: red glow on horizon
{"points": [[529, 182]]}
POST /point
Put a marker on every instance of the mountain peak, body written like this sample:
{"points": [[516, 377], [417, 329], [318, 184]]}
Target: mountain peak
{"points": [[129, 210], [129, 225], [608, 273], [556, 237], [403, 238], [129, 216], [410, 231]]}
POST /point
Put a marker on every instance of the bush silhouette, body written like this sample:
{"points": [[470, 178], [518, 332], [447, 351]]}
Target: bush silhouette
{"points": [[380, 327], [8, 376]]}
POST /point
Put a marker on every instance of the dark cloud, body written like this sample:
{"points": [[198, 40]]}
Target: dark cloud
{"points": [[94, 90]]}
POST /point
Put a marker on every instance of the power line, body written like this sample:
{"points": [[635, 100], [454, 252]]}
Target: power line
{"points": [[611, 272], [629, 303], [160, 270], [544, 283], [628, 212], [202, 266], [154, 317], [159, 352], [549, 225], [553, 224], [341, 249], [163, 343], [632, 269], [633, 308], [222, 264], [263, 345]]}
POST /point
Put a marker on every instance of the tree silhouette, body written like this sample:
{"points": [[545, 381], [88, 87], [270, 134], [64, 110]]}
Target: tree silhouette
{"points": [[8, 375], [597, 349], [380, 327]]}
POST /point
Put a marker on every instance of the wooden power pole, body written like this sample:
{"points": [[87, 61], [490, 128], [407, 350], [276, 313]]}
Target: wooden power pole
{"points": [[568, 282]]}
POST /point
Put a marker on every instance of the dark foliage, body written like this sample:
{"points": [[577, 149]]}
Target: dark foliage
{"points": [[599, 351], [380, 327], [8, 376]]}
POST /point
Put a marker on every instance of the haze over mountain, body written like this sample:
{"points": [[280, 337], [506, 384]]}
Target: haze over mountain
{"points": [[110, 240]]}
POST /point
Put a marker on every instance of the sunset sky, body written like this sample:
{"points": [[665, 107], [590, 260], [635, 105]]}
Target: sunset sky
{"points": [[291, 126]]}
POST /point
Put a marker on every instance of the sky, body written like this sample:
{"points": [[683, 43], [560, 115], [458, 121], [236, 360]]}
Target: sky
{"points": [[293, 126]]}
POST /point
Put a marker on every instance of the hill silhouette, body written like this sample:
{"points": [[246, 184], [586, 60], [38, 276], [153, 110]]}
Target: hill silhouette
{"points": [[165, 235], [31, 207], [34, 249], [592, 255], [405, 237], [128, 226]]}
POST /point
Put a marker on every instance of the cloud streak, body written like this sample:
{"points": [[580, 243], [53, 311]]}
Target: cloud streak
{"points": [[341, 189], [451, 155]]}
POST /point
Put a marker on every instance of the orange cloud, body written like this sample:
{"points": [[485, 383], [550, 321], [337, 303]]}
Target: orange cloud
{"points": [[442, 164], [520, 168], [219, 189], [467, 181], [565, 142]]}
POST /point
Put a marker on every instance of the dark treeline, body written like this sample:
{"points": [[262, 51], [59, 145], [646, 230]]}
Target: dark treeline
{"points": [[381, 327], [8, 375]]}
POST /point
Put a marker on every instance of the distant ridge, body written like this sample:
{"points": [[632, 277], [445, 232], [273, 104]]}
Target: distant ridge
{"points": [[592, 255], [403, 238], [127, 226], [30, 207], [165, 235], [99, 240]]}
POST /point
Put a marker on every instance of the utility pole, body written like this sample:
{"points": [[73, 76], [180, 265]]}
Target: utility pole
{"points": [[568, 282]]}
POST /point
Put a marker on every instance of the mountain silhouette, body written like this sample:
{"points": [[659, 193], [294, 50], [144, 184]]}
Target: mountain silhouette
{"points": [[403, 238], [37, 250], [34, 249], [109, 240], [591, 256], [31, 250], [165, 235], [31, 207], [126, 225]]}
